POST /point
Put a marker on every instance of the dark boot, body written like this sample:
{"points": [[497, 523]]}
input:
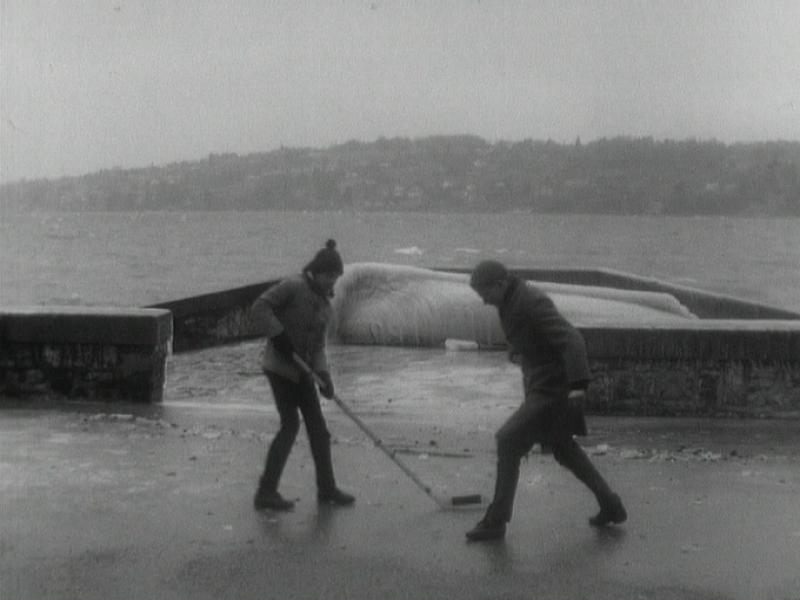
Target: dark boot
{"points": [[271, 500], [611, 511], [281, 445], [267, 495], [327, 491], [487, 529], [335, 497], [505, 488], [570, 455]]}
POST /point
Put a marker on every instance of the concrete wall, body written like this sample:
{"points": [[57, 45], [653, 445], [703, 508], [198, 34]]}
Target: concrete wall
{"points": [[706, 305], [215, 318], [84, 352], [740, 358], [225, 316], [702, 368]]}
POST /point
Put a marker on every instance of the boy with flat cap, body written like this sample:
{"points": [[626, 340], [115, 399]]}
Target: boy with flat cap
{"points": [[555, 371]]}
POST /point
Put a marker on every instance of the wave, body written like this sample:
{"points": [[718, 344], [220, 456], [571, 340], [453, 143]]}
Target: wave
{"points": [[398, 305]]}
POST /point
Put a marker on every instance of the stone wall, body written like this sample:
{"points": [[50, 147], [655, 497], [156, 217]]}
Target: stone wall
{"points": [[84, 352], [702, 368], [740, 358], [704, 304], [216, 318]]}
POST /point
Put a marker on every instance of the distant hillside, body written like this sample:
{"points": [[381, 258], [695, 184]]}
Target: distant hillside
{"points": [[451, 173]]}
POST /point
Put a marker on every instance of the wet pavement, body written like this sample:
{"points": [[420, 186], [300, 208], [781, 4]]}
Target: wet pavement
{"points": [[120, 501]]}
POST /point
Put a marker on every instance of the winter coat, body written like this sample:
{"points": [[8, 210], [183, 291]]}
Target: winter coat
{"points": [[552, 354], [295, 306]]}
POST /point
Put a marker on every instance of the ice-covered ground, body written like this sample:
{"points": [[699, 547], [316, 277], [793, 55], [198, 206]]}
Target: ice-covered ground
{"points": [[130, 501]]}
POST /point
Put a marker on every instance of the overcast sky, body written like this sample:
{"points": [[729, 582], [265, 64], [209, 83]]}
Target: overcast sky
{"points": [[96, 84]]}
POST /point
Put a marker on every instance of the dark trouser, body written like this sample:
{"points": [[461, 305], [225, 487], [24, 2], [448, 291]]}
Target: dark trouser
{"points": [[517, 436], [289, 397]]}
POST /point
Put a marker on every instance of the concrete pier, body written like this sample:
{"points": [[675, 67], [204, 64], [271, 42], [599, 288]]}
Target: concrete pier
{"points": [[93, 353]]}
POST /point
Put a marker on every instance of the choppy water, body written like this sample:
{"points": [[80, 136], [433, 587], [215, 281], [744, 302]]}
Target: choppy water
{"points": [[137, 259]]}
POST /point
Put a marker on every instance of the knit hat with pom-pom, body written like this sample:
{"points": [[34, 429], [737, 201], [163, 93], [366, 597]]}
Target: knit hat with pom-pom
{"points": [[326, 260]]}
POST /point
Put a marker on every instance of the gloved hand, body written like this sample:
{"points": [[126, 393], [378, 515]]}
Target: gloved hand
{"points": [[326, 386], [283, 346]]}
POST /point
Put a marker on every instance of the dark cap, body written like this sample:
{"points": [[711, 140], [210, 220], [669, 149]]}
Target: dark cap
{"points": [[326, 260], [487, 272]]}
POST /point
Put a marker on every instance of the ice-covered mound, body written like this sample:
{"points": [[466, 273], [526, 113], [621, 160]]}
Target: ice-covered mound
{"points": [[397, 305]]}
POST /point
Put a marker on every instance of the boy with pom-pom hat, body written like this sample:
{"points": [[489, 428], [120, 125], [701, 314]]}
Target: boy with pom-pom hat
{"points": [[297, 311]]}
